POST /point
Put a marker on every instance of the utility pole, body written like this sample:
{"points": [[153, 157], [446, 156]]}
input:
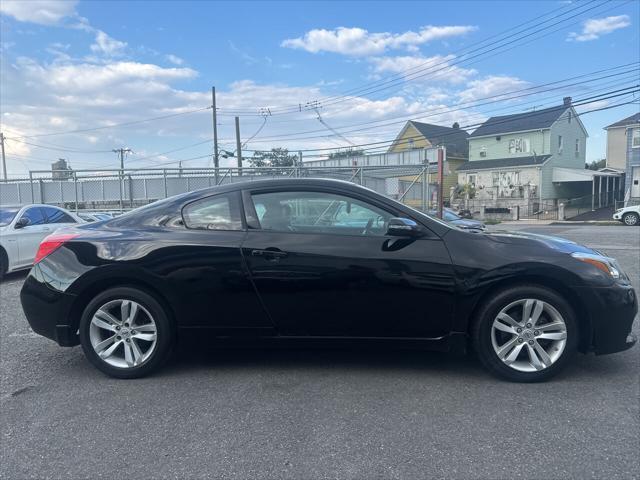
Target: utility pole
{"points": [[440, 180], [216, 158], [4, 160], [121, 152], [238, 146]]}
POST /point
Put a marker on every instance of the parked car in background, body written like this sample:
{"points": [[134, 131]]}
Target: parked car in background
{"points": [[310, 260], [452, 217], [628, 215], [95, 216], [22, 228]]}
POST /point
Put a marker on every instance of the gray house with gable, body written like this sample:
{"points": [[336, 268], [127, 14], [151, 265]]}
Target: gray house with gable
{"points": [[531, 156]]}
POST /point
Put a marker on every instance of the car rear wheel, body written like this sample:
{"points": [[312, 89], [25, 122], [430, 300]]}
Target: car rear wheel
{"points": [[630, 218], [525, 334], [125, 333]]}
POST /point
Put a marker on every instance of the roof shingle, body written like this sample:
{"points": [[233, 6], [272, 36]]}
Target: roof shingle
{"points": [[454, 139], [504, 162], [520, 122], [632, 120]]}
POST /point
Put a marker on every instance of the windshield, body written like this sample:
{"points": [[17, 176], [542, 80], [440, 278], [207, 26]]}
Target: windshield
{"points": [[449, 216], [7, 214]]}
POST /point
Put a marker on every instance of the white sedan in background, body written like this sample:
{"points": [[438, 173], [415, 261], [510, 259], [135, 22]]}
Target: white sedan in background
{"points": [[22, 228], [628, 215]]}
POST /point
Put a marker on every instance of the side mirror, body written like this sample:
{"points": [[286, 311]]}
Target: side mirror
{"points": [[21, 223], [404, 227]]}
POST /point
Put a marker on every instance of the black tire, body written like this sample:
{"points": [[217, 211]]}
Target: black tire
{"points": [[481, 332], [164, 332], [4, 261], [631, 219]]}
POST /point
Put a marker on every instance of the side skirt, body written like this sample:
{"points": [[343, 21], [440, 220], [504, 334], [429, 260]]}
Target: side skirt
{"points": [[455, 342]]}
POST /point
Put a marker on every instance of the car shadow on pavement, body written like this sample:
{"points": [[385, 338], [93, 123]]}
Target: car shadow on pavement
{"points": [[190, 356], [20, 275]]}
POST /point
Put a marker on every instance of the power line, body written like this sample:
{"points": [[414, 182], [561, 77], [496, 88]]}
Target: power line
{"points": [[447, 64], [535, 90], [469, 126]]}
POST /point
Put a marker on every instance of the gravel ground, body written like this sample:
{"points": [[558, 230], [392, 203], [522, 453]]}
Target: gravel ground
{"points": [[317, 414]]}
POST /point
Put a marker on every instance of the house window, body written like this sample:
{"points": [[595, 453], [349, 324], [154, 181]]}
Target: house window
{"points": [[560, 143], [495, 179], [483, 151], [577, 147], [569, 116], [411, 143], [512, 146], [635, 138], [471, 179]]}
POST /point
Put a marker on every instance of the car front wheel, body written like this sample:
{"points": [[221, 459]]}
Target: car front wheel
{"points": [[525, 334], [631, 219], [125, 333]]}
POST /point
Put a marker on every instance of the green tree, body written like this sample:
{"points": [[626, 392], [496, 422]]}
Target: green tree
{"points": [[276, 157], [346, 153], [596, 164]]}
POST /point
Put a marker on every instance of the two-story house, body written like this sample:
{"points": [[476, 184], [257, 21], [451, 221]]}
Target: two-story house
{"points": [[537, 155], [623, 153], [417, 135]]}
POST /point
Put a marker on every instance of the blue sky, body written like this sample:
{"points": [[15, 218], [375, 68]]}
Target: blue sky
{"points": [[79, 65]]}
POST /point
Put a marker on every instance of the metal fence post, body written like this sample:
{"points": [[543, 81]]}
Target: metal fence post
{"points": [[31, 185], [164, 175], [361, 176], [425, 181], [130, 191], [75, 189]]}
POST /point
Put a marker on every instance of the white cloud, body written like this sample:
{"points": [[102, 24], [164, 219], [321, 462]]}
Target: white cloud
{"points": [[44, 12], [174, 59], [593, 28], [435, 68], [491, 86], [358, 41], [107, 45]]}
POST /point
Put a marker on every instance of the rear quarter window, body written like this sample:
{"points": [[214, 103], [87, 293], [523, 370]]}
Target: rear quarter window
{"points": [[219, 212]]}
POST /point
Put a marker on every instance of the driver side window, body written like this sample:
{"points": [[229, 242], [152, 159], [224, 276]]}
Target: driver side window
{"points": [[319, 212], [33, 216]]}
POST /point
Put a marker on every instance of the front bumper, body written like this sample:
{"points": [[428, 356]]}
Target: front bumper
{"points": [[617, 216], [48, 311], [612, 311]]}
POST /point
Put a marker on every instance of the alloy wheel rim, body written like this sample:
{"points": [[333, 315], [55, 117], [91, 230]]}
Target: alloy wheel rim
{"points": [[529, 335], [123, 333], [630, 219]]}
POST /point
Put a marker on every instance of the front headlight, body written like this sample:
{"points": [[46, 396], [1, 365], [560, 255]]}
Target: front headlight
{"points": [[619, 210], [605, 264]]}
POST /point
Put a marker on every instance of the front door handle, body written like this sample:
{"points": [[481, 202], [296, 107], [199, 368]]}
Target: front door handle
{"points": [[269, 253]]}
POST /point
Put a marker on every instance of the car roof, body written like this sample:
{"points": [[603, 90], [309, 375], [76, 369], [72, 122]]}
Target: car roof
{"points": [[176, 202]]}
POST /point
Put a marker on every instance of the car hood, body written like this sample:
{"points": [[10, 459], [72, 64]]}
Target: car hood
{"points": [[464, 223], [525, 238]]}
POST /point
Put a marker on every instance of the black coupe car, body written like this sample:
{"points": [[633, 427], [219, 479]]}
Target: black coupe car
{"points": [[299, 259]]}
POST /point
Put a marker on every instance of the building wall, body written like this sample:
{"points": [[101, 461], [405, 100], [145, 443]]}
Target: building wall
{"points": [[633, 160], [571, 131], [538, 141], [420, 142], [484, 180], [411, 134], [617, 148]]}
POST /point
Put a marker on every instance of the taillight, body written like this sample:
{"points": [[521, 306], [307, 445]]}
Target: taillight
{"points": [[51, 243]]}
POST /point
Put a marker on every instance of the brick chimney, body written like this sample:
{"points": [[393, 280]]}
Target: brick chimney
{"points": [[567, 101], [455, 125]]}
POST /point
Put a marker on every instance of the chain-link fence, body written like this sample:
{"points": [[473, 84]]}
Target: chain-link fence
{"points": [[126, 189]]}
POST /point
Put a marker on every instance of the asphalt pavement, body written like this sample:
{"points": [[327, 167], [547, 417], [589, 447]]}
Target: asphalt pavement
{"points": [[317, 414]]}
